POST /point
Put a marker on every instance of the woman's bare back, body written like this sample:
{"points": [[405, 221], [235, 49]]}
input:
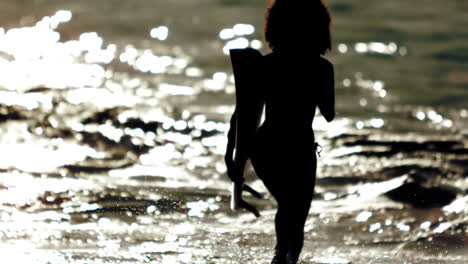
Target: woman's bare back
{"points": [[284, 151]]}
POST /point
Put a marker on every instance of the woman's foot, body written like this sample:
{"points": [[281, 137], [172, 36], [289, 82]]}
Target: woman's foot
{"points": [[279, 258], [291, 260]]}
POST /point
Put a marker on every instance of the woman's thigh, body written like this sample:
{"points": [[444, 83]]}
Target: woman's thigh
{"points": [[286, 173]]}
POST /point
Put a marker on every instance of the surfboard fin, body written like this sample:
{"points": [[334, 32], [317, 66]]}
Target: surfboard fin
{"points": [[238, 202], [252, 191]]}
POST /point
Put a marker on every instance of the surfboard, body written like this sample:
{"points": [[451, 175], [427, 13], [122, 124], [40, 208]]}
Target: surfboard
{"points": [[247, 69]]}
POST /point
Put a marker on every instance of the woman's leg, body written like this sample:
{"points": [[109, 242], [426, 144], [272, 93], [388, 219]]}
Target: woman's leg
{"points": [[296, 233], [260, 161], [281, 228], [293, 195], [299, 201]]}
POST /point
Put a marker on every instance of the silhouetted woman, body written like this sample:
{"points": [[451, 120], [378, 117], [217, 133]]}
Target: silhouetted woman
{"points": [[295, 81]]}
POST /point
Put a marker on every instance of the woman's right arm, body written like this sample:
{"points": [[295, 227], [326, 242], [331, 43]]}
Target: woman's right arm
{"points": [[326, 101], [232, 163]]}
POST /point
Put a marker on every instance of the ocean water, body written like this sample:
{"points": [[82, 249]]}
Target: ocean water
{"points": [[113, 117]]}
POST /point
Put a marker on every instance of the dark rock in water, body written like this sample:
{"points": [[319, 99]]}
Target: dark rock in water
{"points": [[98, 140], [65, 133], [138, 123], [10, 113], [422, 197], [92, 169], [102, 117], [147, 178], [38, 90], [112, 115], [462, 164], [205, 133], [344, 180], [129, 144], [104, 163], [119, 149], [50, 198]]}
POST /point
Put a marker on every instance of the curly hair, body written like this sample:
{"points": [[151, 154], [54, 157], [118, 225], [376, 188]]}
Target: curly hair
{"points": [[293, 23]]}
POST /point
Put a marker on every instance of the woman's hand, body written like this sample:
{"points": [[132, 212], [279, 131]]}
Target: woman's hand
{"points": [[235, 172]]}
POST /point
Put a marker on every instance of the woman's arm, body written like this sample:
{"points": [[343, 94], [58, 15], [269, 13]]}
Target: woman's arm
{"points": [[229, 156], [326, 102], [235, 158], [235, 171]]}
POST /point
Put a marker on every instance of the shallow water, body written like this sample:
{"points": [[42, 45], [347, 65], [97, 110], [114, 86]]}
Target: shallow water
{"points": [[113, 117]]}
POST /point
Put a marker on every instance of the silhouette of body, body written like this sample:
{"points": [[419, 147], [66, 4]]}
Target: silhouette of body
{"points": [[283, 152], [291, 85]]}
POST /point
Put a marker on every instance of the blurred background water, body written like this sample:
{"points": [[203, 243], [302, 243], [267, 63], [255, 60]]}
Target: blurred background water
{"points": [[113, 117]]}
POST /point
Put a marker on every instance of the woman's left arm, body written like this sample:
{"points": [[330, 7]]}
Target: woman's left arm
{"points": [[231, 143]]}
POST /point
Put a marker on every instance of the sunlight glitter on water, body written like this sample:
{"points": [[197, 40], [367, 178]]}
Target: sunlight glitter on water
{"points": [[363, 216], [173, 89], [238, 43], [162, 142], [403, 227], [377, 86], [29, 101], [374, 47], [458, 206], [75, 63], [100, 97], [161, 32], [36, 56], [236, 38], [24, 189], [236, 30], [44, 158], [200, 208], [332, 260], [433, 117], [147, 61]]}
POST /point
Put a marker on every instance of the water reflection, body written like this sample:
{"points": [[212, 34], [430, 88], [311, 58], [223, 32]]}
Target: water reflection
{"points": [[434, 117], [363, 216], [173, 89], [375, 227], [161, 32], [237, 30], [238, 43], [374, 47], [29, 101], [236, 38], [342, 48], [372, 123], [403, 227], [425, 225], [375, 85], [102, 138], [37, 65]]}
